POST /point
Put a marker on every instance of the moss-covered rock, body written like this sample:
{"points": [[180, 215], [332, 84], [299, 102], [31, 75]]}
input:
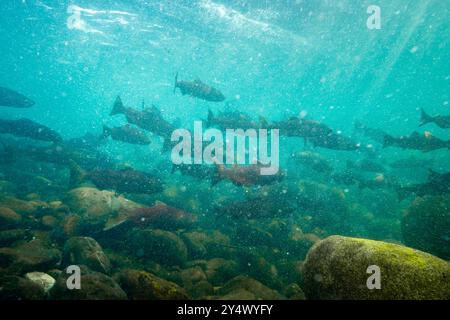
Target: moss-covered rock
{"points": [[35, 255], [18, 288], [86, 251], [426, 225], [161, 246], [94, 286], [336, 268], [141, 285]]}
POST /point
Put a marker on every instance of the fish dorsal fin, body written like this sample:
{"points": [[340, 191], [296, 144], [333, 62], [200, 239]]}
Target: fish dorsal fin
{"points": [[160, 203]]}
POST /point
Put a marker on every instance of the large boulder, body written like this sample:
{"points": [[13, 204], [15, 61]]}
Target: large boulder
{"points": [[336, 268], [161, 246], [141, 285], [86, 251], [94, 286], [35, 255], [426, 225]]}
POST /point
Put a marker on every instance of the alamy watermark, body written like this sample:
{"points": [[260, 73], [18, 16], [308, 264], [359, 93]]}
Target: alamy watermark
{"points": [[231, 148]]}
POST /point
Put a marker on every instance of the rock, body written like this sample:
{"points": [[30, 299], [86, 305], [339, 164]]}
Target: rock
{"points": [[44, 280], [194, 281], [203, 245], [254, 264], [21, 206], [31, 256], [294, 292], [85, 251], [94, 286], [49, 222], [92, 202], [160, 246], [9, 217], [426, 225], [18, 288], [141, 285], [8, 237], [218, 270], [335, 268], [233, 289]]}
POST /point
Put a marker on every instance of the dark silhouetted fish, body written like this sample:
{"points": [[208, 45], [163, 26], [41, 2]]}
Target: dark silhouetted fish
{"points": [[231, 120], [377, 135], [440, 121], [30, 129], [296, 127], [122, 181], [199, 90], [126, 134], [149, 119], [247, 175], [256, 208], [314, 161], [411, 162], [424, 142], [334, 141], [199, 171], [9, 98], [438, 184], [366, 165], [161, 216]]}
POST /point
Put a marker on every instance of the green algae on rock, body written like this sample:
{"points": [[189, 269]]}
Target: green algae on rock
{"points": [[141, 285], [336, 268], [87, 251]]}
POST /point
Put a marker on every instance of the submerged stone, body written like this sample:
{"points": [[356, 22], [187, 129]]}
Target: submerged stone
{"points": [[336, 268], [85, 251], [141, 285]]}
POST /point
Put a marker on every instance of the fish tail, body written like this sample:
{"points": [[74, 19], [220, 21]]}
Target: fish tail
{"points": [[118, 107], [424, 118], [77, 174], [176, 82]]}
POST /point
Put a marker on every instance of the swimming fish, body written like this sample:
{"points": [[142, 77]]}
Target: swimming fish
{"points": [[30, 129], [199, 90], [127, 134], [10, 98], [441, 121]]}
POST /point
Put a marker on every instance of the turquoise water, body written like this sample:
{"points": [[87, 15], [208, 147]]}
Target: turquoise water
{"points": [[271, 59]]}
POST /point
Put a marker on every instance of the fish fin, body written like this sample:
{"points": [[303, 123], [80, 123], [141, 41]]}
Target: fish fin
{"points": [[77, 174], [424, 118], [176, 82], [106, 132], [118, 107], [113, 223]]}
